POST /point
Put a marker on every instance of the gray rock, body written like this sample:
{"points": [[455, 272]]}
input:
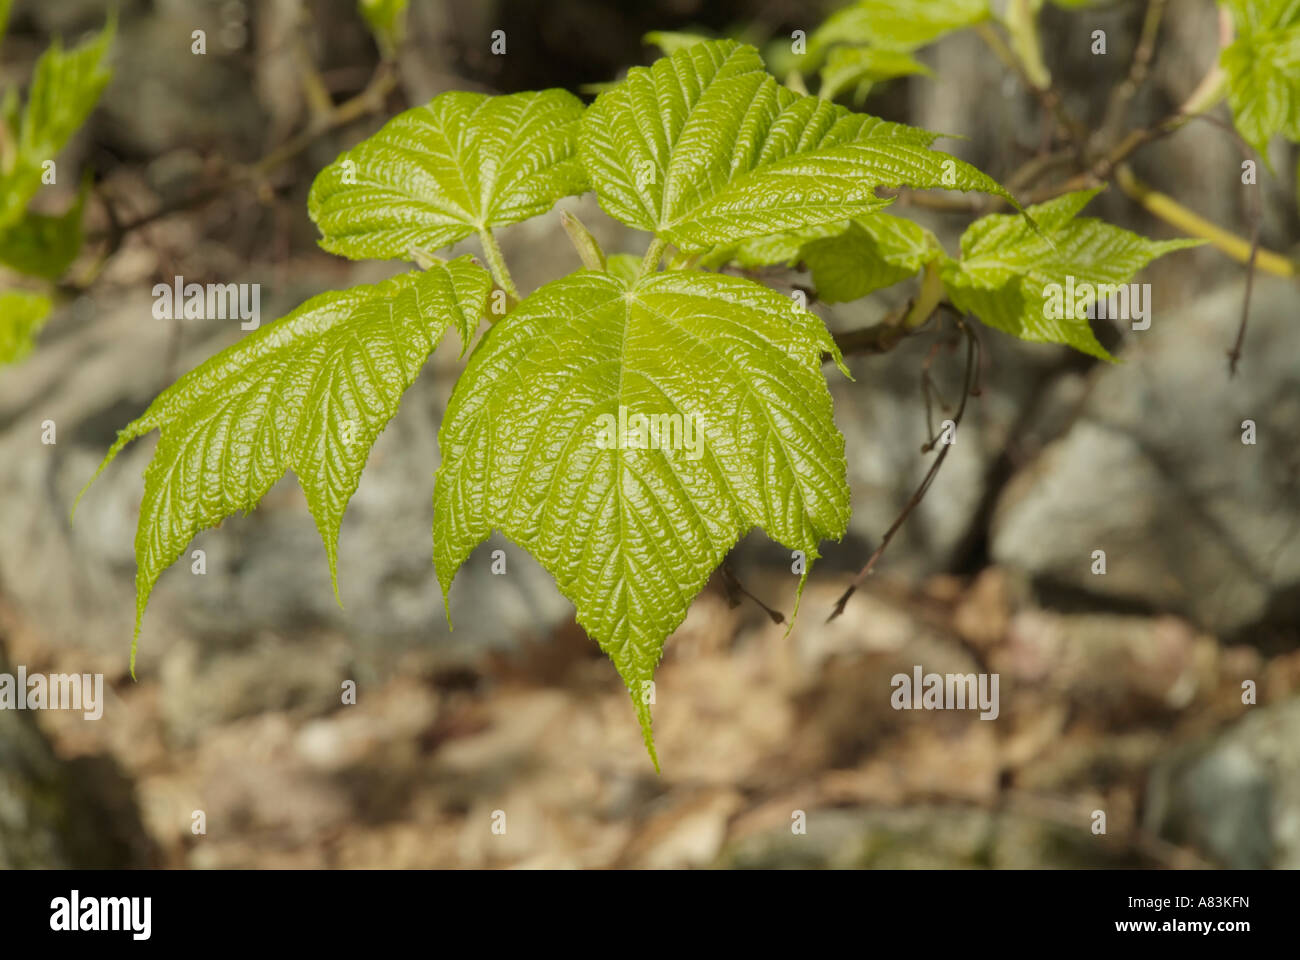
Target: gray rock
{"points": [[926, 838], [1155, 473], [1236, 796], [57, 814]]}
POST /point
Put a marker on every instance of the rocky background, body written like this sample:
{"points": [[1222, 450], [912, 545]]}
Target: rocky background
{"points": [[1120, 692]]}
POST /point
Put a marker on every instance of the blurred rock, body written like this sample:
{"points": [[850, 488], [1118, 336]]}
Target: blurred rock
{"points": [[1117, 666], [1236, 795], [1155, 473], [927, 838], [60, 814]]}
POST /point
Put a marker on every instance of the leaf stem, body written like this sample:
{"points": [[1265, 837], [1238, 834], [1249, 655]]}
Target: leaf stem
{"points": [[653, 255], [593, 258], [1173, 212], [497, 262], [1021, 24], [927, 301]]}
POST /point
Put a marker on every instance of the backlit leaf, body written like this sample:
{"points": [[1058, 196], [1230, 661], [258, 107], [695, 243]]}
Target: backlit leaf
{"points": [[874, 252], [462, 163], [1263, 65], [705, 148], [1006, 270], [309, 393], [632, 534]]}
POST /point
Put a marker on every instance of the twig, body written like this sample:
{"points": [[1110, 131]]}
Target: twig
{"points": [[878, 338], [968, 385], [1143, 54], [1037, 83], [735, 588], [369, 100], [1171, 211]]}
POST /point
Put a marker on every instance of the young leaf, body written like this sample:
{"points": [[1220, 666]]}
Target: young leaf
{"points": [[308, 393], [625, 266], [65, 89], [705, 148], [1263, 66], [1006, 270], [853, 66], [876, 251], [4, 17], [777, 249], [895, 24], [670, 41], [22, 315], [42, 246], [387, 21], [632, 526], [435, 174]]}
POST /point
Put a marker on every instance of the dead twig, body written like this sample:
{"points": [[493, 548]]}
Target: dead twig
{"points": [[969, 381]]}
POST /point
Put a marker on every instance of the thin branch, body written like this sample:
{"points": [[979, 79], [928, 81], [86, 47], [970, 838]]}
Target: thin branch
{"points": [[370, 100], [878, 338], [898, 324], [1171, 211], [1047, 95], [968, 387], [736, 589], [1143, 53]]}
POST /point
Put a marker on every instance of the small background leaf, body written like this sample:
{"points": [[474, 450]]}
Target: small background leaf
{"points": [[874, 252], [22, 315], [42, 246], [1005, 267], [65, 88]]}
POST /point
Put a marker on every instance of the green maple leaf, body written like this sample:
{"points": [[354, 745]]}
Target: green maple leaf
{"points": [[631, 535], [1263, 66], [64, 91], [309, 393], [874, 252], [22, 315], [705, 148], [461, 164], [1005, 268]]}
